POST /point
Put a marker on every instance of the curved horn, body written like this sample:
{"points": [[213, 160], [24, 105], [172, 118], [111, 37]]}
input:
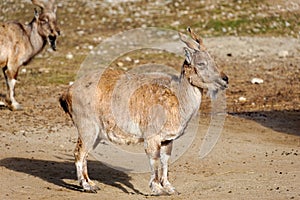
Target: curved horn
{"points": [[190, 44], [44, 4], [195, 37], [38, 3]]}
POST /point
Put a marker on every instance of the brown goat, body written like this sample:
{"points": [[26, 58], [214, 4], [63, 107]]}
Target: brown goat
{"points": [[19, 43], [160, 110]]}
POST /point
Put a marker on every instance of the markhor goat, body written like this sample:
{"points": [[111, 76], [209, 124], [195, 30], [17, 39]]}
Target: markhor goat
{"points": [[19, 43], [89, 103]]}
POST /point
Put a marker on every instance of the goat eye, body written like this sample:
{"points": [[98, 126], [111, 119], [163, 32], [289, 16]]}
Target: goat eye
{"points": [[202, 64], [44, 21]]}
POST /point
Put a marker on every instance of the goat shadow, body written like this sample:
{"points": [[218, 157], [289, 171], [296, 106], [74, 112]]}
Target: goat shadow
{"points": [[286, 121], [55, 172]]}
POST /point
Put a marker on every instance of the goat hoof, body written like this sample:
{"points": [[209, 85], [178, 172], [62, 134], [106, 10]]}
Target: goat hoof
{"points": [[157, 189], [95, 188], [14, 107], [2, 104], [90, 188], [171, 190]]}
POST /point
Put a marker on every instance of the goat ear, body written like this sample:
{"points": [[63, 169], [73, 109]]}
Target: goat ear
{"points": [[188, 55]]}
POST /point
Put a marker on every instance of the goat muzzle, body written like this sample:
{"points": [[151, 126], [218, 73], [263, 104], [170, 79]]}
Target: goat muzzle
{"points": [[224, 77], [224, 81]]}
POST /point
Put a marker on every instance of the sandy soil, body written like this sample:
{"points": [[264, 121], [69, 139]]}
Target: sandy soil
{"points": [[250, 161], [256, 157]]}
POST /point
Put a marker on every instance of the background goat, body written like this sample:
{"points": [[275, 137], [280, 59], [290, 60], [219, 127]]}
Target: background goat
{"points": [[19, 43], [89, 103]]}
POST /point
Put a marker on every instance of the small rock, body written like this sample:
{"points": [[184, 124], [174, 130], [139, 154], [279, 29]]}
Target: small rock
{"points": [[287, 24], [69, 56], [242, 99], [23, 71], [128, 59], [44, 70], [80, 32], [71, 83], [60, 5], [283, 54], [120, 64], [82, 22], [257, 81], [252, 61], [255, 30], [176, 23]]}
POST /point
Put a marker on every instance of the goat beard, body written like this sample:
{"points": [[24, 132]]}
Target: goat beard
{"points": [[52, 42]]}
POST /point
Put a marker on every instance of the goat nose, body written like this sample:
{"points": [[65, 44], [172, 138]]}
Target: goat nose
{"points": [[225, 78]]}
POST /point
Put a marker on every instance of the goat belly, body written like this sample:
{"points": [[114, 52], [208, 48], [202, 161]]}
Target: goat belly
{"points": [[120, 137]]}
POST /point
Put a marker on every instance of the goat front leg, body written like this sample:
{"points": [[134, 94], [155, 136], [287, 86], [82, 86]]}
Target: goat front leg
{"points": [[152, 148], [165, 153], [81, 154], [10, 79]]}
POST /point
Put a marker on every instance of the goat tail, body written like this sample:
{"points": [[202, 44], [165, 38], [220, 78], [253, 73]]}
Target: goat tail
{"points": [[65, 101]]}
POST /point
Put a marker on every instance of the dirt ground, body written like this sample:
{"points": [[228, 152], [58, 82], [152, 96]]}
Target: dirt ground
{"points": [[256, 157]]}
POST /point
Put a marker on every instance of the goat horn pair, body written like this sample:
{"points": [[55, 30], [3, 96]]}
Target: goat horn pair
{"points": [[44, 4]]}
